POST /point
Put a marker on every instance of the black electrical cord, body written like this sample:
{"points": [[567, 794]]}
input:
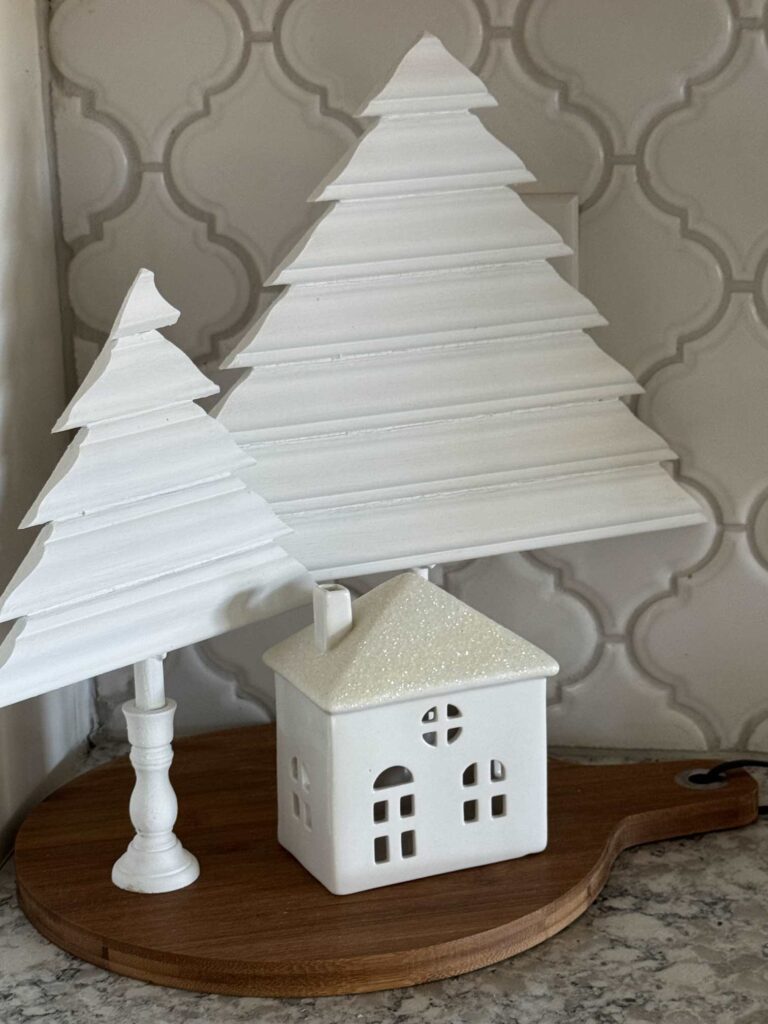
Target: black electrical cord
{"points": [[718, 773]]}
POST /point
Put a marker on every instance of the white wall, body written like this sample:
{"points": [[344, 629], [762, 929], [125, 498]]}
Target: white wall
{"points": [[40, 738], [193, 151]]}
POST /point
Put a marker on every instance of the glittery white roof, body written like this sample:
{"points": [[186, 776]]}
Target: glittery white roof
{"points": [[409, 639]]}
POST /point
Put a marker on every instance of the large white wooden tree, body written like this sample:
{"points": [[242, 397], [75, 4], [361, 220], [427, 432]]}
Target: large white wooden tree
{"points": [[152, 541], [424, 390]]}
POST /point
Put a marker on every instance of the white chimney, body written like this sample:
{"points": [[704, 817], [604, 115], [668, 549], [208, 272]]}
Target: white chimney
{"points": [[421, 570], [332, 607]]}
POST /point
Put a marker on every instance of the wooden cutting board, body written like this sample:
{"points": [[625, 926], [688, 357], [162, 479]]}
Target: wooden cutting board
{"points": [[256, 923]]}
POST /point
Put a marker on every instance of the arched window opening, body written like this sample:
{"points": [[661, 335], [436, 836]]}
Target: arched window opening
{"points": [[397, 775], [484, 800], [394, 815]]}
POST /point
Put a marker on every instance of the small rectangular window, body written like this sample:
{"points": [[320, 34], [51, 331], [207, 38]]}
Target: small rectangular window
{"points": [[296, 806], [498, 806], [295, 769], [380, 811], [497, 771], [408, 843], [406, 806], [470, 810], [307, 815], [469, 778], [381, 849]]}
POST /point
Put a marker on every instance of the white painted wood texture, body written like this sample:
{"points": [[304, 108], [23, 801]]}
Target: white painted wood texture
{"points": [[152, 540], [155, 860], [411, 233], [423, 390]]}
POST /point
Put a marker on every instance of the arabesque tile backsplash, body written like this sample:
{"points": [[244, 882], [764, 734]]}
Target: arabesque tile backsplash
{"points": [[189, 134]]}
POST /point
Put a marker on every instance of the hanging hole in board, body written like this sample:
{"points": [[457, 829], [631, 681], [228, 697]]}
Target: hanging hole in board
{"points": [[690, 779]]}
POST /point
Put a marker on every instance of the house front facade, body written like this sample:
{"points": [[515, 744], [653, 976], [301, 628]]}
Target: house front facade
{"points": [[436, 777]]}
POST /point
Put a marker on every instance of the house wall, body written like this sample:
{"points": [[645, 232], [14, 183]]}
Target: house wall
{"points": [[345, 754], [305, 813], [39, 739], [193, 151]]}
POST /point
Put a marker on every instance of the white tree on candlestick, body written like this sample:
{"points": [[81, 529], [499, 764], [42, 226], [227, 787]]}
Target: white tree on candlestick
{"points": [[152, 541], [423, 391]]}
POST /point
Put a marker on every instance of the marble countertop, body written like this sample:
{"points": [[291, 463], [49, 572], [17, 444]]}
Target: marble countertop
{"points": [[679, 935]]}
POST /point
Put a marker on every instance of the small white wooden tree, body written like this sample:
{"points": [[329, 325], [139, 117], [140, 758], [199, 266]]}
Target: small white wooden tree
{"points": [[153, 541], [424, 391]]}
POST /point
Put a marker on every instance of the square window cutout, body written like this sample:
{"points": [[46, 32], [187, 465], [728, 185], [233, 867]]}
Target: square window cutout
{"points": [[498, 806]]}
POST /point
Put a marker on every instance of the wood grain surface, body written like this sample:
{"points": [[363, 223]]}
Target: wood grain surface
{"points": [[256, 923]]}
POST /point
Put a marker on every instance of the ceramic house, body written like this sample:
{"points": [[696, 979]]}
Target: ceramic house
{"points": [[411, 737]]}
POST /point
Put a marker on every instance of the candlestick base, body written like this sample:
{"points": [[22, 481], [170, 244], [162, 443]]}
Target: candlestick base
{"points": [[155, 870], [155, 860]]}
